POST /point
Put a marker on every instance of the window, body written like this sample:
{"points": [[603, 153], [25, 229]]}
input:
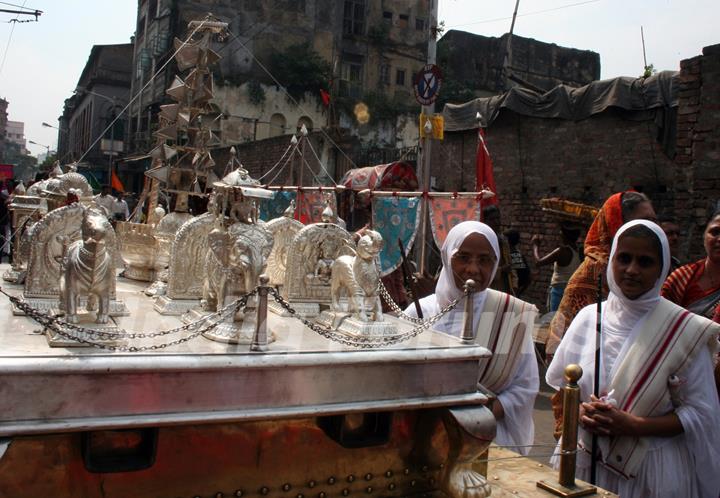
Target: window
{"points": [[385, 74], [305, 121], [403, 21], [152, 9], [387, 18], [419, 24], [400, 77], [354, 17], [277, 125], [352, 67]]}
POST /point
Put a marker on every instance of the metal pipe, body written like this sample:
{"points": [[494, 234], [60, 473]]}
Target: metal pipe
{"points": [[260, 338], [468, 333]]}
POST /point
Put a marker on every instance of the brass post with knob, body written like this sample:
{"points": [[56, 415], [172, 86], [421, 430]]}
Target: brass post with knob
{"points": [[566, 485]]}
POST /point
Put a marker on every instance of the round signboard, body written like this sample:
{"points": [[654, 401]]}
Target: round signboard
{"points": [[427, 84]]}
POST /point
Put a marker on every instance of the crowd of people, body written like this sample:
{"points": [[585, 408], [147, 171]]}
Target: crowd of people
{"points": [[656, 412], [654, 404]]}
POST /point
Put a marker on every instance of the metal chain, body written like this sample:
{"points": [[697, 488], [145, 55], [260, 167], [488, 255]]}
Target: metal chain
{"points": [[61, 327], [363, 342], [394, 306], [33, 313]]}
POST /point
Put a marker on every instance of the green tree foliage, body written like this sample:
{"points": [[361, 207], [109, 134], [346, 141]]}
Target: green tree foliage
{"points": [[300, 69]]}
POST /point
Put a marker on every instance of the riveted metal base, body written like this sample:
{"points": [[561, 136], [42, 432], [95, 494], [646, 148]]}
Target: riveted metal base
{"points": [[580, 489]]}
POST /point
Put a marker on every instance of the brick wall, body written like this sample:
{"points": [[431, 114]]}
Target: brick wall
{"points": [[261, 156], [698, 146], [584, 161]]}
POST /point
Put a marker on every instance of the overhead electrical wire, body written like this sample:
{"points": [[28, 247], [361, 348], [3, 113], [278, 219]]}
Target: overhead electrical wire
{"points": [[561, 7]]}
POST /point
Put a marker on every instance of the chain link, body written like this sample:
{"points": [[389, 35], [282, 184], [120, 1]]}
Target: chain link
{"points": [[62, 327], [394, 306], [363, 342]]}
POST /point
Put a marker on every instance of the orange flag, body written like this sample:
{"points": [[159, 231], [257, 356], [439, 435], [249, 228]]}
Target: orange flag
{"points": [[115, 182]]}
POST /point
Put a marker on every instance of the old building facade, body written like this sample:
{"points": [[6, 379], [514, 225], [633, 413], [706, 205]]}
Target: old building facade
{"points": [[475, 64], [102, 92], [278, 57]]}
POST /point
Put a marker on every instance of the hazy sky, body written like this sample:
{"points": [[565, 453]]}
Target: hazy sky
{"points": [[43, 60]]}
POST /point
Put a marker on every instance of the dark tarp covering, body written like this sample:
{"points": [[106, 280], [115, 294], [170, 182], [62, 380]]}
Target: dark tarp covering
{"points": [[651, 98], [564, 102]]}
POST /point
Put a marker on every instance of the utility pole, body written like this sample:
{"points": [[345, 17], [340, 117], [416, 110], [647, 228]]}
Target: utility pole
{"points": [[428, 111], [507, 60]]}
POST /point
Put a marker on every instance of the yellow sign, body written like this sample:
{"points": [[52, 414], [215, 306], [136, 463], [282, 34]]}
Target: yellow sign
{"points": [[438, 126]]}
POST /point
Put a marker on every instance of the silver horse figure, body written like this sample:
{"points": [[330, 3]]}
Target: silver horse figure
{"points": [[88, 269], [358, 276]]}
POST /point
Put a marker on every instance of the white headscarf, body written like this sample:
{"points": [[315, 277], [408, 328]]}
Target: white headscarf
{"points": [[446, 290], [621, 313]]}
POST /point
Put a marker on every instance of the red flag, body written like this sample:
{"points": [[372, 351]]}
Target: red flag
{"points": [[115, 182], [325, 96], [484, 177]]}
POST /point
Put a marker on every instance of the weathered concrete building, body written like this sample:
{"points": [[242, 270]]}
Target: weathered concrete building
{"points": [[15, 133], [103, 90], [268, 82], [475, 62]]}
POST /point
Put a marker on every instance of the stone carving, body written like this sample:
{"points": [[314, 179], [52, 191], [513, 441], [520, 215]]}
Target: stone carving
{"points": [[309, 257], [357, 276], [283, 230], [186, 271], [234, 261], [88, 269]]}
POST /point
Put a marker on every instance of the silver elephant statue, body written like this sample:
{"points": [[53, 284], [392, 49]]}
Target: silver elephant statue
{"points": [[357, 277], [88, 269], [234, 262]]}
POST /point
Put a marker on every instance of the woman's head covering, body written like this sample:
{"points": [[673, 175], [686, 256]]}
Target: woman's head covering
{"points": [[653, 294], [621, 313], [446, 290], [606, 224]]}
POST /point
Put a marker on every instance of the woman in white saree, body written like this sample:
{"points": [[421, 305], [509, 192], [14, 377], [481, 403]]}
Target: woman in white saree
{"points": [[502, 323], [658, 416]]}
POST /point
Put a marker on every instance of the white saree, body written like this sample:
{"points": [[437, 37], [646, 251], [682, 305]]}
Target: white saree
{"points": [[503, 324], [655, 358]]}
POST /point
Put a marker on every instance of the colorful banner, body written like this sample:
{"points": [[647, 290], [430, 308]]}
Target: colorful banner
{"points": [[275, 207], [313, 203], [395, 217], [446, 212]]}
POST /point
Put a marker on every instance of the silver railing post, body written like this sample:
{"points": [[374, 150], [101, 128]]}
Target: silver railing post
{"points": [[260, 339], [468, 333]]}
